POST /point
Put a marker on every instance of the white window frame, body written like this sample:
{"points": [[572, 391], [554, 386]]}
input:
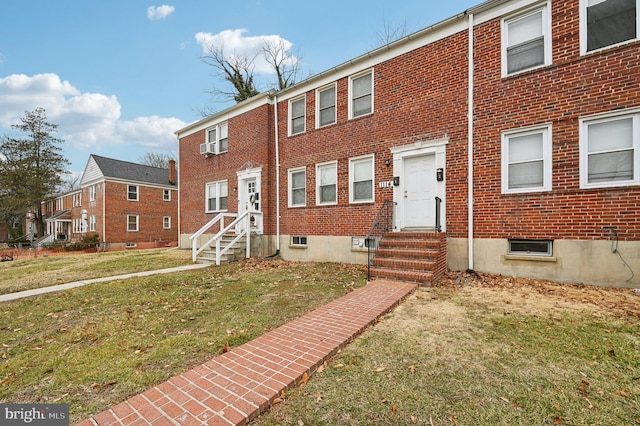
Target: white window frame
{"points": [[217, 185], [77, 200], [583, 30], [302, 99], [129, 192], [299, 241], [352, 162], [634, 115], [137, 223], [291, 188], [351, 94], [92, 193], [218, 139], [335, 107], [547, 160], [319, 167], [166, 222], [512, 252], [166, 195], [92, 223], [59, 203], [545, 12]]}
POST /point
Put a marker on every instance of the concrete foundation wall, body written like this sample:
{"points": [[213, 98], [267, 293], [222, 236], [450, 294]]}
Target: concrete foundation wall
{"points": [[573, 261]]}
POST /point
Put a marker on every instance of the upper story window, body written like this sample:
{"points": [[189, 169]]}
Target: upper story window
{"points": [[92, 223], [526, 160], [92, 193], [361, 94], [132, 192], [361, 179], [326, 106], [217, 196], [166, 195], [217, 140], [77, 200], [526, 42], [298, 187], [59, 204], [327, 183], [610, 150], [297, 115], [608, 22]]}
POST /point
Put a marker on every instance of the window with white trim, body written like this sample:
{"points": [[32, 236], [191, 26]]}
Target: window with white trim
{"points": [[166, 195], [361, 179], [166, 222], [132, 192], [92, 193], [608, 22], [361, 94], [526, 160], [297, 115], [59, 203], [326, 106], [298, 240], [327, 183], [298, 187], [77, 200], [218, 139], [92, 223], [530, 247], [609, 150], [526, 42], [217, 196], [132, 223]]}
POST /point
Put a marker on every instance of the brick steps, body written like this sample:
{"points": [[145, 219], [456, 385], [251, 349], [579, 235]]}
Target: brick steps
{"points": [[417, 257]]}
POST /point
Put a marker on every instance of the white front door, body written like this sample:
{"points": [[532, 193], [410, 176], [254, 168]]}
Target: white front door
{"points": [[249, 197], [419, 191]]}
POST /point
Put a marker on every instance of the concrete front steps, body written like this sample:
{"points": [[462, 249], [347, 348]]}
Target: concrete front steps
{"points": [[416, 257], [235, 253]]}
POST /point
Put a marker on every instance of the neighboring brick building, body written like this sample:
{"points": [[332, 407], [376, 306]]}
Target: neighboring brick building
{"points": [[125, 204], [554, 185]]}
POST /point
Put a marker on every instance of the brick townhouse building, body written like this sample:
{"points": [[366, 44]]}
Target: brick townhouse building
{"points": [[513, 128], [127, 205]]}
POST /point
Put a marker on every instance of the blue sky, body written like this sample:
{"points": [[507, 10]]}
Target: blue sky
{"points": [[120, 76]]}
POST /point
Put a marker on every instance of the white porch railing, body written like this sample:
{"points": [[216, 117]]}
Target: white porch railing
{"points": [[197, 248]]}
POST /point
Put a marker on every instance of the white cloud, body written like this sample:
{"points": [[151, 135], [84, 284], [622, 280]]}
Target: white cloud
{"points": [[159, 13], [235, 44], [85, 120]]}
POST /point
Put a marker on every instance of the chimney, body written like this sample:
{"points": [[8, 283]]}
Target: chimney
{"points": [[172, 171]]}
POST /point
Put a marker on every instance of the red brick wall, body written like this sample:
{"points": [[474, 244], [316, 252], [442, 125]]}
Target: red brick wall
{"points": [[250, 140], [413, 101], [572, 87], [150, 208]]}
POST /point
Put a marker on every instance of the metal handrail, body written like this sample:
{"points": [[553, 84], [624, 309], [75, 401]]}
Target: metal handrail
{"points": [[438, 225], [381, 225]]}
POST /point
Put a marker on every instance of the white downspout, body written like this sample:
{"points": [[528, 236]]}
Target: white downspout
{"points": [[470, 144], [277, 141]]}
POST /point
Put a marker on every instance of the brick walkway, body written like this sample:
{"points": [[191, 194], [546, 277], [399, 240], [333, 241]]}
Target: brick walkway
{"points": [[233, 388]]}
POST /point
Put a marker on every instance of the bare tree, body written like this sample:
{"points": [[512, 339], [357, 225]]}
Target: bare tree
{"points": [[285, 66], [237, 70], [390, 32], [155, 159]]}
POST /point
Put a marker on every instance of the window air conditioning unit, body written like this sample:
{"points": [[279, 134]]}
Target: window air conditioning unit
{"points": [[207, 148]]}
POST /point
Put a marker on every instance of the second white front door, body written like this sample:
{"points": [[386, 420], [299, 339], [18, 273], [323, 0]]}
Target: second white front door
{"points": [[419, 191]]}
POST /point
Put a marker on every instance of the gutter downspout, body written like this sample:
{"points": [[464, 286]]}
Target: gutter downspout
{"points": [[470, 145], [277, 142]]}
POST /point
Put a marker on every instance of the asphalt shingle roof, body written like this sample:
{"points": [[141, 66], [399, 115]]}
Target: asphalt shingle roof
{"points": [[125, 170]]}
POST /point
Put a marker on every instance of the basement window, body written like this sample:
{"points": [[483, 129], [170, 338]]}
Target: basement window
{"points": [[298, 241], [531, 247]]}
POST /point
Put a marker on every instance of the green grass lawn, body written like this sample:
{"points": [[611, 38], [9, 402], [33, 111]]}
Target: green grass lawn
{"points": [[476, 356], [95, 346]]}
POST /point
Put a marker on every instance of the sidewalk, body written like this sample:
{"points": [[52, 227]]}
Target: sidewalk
{"points": [[235, 387], [50, 289]]}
